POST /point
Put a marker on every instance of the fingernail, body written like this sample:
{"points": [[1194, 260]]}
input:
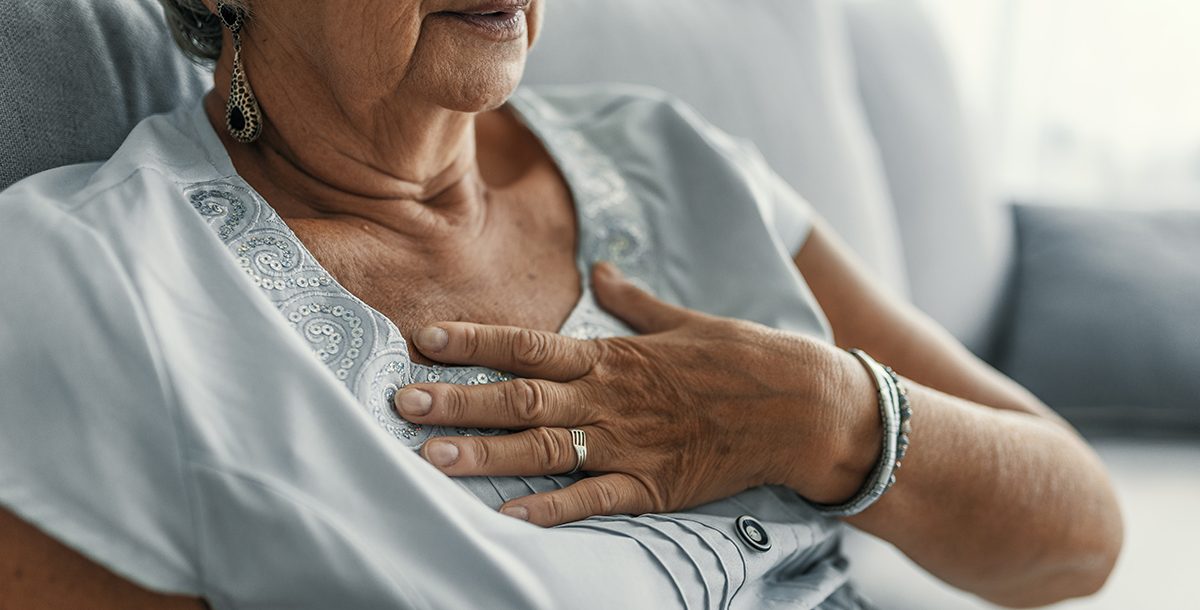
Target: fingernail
{"points": [[442, 454], [412, 401], [432, 339], [516, 512]]}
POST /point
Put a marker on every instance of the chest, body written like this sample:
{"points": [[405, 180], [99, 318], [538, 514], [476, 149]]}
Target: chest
{"points": [[520, 270]]}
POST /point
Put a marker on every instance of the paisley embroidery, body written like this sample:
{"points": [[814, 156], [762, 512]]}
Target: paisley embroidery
{"points": [[361, 346], [616, 226]]}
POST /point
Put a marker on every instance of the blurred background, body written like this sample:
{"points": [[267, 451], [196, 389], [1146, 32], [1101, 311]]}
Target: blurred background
{"points": [[1085, 102], [1092, 104]]}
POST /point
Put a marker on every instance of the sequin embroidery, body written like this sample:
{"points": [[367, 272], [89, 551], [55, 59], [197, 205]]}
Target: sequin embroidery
{"points": [[361, 346]]}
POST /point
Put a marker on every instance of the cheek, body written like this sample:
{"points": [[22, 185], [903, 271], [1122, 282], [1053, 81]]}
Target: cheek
{"points": [[386, 36], [364, 48]]}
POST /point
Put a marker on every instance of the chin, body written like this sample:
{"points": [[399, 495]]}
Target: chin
{"points": [[458, 68], [474, 87]]}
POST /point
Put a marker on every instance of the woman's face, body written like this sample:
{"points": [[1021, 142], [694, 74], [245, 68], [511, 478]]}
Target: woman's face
{"points": [[464, 55]]}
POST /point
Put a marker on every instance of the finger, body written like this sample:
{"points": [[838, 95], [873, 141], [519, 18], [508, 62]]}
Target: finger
{"points": [[533, 452], [610, 494], [639, 309], [516, 404], [528, 353]]}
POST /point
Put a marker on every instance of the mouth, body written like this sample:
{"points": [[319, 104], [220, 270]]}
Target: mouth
{"points": [[500, 20]]}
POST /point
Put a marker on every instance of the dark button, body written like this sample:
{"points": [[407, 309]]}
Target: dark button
{"points": [[753, 533]]}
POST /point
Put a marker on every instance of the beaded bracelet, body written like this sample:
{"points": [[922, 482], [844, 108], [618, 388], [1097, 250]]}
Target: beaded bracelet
{"points": [[906, 413], [896, 414]]}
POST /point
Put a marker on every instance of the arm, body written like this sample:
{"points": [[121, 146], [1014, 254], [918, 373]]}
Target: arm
{"points": [[37, 571], [698, 408], [999, 495]]}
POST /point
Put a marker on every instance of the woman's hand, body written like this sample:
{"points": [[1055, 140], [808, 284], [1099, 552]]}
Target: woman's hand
{"points": [[695, 409]]}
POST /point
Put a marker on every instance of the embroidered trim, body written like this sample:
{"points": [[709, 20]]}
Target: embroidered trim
{"points": [[360, 345]]}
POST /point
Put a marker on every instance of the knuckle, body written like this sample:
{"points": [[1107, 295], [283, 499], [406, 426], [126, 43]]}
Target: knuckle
{"points": [[550, 447], [527, 401], [481, 453], [606, 497], [555, 507], [598, 352], [453, 404], [613, 359], [531, 348], [470, 342], [739, 330], [605, 359]]}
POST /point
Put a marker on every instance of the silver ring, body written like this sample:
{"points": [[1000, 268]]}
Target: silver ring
{"points": [[579, 441]]}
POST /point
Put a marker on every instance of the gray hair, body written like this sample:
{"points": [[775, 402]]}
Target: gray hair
{"points": [[196, 29]]}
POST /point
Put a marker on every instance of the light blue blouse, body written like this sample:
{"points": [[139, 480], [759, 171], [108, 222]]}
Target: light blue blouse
{"points": [[190, 399]]}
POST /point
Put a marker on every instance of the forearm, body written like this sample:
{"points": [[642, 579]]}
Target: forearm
{"points": [[997, 494], [38, 571], [1011, 506]]}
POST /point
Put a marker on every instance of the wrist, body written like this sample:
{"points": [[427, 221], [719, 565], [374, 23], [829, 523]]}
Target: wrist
{"points": [[853, 437]]}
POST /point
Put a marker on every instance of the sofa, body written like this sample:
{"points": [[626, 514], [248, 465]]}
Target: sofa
{"points": [[852, 101]]}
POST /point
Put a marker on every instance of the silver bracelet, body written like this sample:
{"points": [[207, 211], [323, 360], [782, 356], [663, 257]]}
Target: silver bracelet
{"points": [[906, 413], [895, 435]]}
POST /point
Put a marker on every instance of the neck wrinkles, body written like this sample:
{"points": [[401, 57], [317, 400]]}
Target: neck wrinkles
{"points": [[412, 169]]}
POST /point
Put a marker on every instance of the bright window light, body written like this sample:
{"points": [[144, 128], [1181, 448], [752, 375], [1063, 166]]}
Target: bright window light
{"points": [[1094, 102]]}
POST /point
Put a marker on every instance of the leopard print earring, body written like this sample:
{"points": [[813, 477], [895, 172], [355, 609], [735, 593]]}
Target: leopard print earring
{"points": [[243, 116]]}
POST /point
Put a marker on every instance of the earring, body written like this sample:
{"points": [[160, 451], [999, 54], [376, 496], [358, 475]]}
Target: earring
{"points": [[243, 116]]}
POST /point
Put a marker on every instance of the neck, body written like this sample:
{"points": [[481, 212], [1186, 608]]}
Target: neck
{"points": [[413, 168]]}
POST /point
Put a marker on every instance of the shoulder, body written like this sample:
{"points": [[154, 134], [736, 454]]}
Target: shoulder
{"points": [[168, 144], [647, 130], [66, 243], [697, 197], [81, 368], [658, 138], [78, 243], [104, 205], [649, 133]]}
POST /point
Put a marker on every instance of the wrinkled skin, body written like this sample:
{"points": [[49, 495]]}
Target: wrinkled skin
{"points": [[687, 412]]}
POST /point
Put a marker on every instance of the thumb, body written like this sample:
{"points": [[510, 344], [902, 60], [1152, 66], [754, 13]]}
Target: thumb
{"points": [[636, 307]]}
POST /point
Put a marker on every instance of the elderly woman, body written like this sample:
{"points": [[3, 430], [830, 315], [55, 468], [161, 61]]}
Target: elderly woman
{"points": [[220, 348]]}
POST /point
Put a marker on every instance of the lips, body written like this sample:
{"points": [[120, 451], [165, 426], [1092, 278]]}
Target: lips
{"points": [[499, 20], [485, 7]]}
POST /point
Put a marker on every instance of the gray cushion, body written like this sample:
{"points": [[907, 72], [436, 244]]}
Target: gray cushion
{"points": [[77, 75], [778, 72], [957, 238], [1105, 320]]}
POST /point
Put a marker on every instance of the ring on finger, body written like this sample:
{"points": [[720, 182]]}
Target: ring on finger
{"points": [[579, 442]]}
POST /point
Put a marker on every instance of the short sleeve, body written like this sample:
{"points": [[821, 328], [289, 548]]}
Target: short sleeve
{"points": [[88, 449], [788, 214]]}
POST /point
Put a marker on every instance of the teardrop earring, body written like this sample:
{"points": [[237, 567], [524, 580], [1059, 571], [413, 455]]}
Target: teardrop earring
{"points": [[243, 116]]}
